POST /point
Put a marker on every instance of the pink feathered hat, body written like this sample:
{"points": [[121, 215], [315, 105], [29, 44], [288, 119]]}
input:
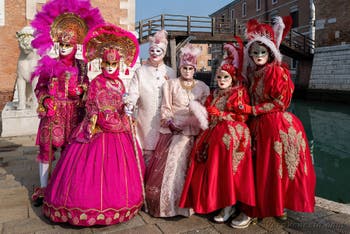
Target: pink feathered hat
{"points": [[188, 56]]}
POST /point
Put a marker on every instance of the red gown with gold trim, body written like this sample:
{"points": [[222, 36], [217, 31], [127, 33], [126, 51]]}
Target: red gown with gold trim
{"points": [[284, 174], [221, 166]]}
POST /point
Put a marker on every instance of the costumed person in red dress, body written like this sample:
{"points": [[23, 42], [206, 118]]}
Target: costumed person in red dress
{"points": [[99, 178], [284, 174], [60, 26], [221, 166], [182, 117]]}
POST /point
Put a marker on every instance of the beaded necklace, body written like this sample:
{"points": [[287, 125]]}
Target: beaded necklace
{"points": [[187, 84]]}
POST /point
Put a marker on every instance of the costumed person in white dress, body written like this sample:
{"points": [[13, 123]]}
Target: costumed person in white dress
{"points": [[182, 117], [145, 93], [60, 26], [99, 178]]}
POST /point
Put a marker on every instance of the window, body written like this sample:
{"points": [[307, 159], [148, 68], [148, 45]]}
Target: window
{"points": [[232, 15], [222, 20], [274, 1], [258, 5], [295, 18], [244, 9]]}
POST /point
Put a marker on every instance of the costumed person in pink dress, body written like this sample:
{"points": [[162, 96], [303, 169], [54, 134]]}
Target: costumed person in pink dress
{"points": [[99, 178], [284, 174], [221, 165], [182, 117], [145, 93], [60, 26]]}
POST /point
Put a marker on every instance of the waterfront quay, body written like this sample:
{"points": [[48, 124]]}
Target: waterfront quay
{"points": [[19, 175]]}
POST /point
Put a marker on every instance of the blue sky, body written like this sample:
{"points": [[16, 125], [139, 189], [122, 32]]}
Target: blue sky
{"points": [[149, 8]]}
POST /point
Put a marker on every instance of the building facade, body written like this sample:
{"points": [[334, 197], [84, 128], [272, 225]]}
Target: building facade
{"points": [[15, 14]]}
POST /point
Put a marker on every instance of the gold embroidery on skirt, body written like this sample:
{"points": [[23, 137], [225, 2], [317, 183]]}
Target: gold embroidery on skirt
{"points": [[83, 216], [292, 144], [288, 117], [235, 134], [100, 217], [278, 149]]}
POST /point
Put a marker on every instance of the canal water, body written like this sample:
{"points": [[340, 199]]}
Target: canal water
{"points": [[327, 125]]}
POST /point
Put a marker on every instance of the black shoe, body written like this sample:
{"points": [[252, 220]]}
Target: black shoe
{"points": [[38, 202]]}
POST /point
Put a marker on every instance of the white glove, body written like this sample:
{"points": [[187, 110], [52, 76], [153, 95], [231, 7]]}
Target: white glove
{"points": [[128, 109]]}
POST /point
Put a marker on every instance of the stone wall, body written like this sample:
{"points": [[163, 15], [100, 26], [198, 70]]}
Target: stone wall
{"points": [[331, 68]]}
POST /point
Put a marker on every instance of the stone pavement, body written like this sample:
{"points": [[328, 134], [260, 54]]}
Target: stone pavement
{"points": [[19, 174]]}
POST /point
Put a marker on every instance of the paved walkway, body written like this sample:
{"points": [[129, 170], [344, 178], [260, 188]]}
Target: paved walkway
{"points": [[19, 174]]}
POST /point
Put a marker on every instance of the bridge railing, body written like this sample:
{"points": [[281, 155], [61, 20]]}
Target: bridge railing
{"points": [[299, 42], [196, 24], [189, 24]]}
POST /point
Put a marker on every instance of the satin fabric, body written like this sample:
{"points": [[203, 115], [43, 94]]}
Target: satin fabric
{"points": [[284, 174], [167, 168], [97, 180], [221, 166]]}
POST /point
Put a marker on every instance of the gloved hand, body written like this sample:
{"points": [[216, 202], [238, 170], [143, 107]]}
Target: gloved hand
{"points": [[128, 109], [75, 91], [212, 110], [173, 128], [50, 106], [244, 109]]}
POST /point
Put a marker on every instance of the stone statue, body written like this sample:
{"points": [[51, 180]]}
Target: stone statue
{"points": [[26, 63]]}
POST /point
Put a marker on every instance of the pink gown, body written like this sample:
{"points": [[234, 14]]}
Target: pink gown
{"points": [[97, 180]]}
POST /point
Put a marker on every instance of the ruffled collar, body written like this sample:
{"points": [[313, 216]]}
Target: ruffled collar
{"points": [[112, 76]]}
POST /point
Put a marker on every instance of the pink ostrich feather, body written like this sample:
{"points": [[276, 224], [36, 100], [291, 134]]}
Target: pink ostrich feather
{"points": [[50, 67], [44, 19], [109, 34]]}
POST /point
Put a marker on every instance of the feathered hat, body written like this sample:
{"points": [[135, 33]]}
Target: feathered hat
{"points": [[160, 39], [111, 43], [271, 36], [188, 55], [63, 21], [237, 50]]}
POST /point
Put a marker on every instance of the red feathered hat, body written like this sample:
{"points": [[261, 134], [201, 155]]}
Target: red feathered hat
{"points": [[270, 36]]}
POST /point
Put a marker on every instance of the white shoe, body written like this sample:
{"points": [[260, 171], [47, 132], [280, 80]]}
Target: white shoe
{"points": [[242, 221], [225, 214]]}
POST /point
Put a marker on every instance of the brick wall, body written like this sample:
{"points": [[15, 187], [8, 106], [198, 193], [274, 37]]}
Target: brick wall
{"points": [[332, 22], [14, 21]]}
